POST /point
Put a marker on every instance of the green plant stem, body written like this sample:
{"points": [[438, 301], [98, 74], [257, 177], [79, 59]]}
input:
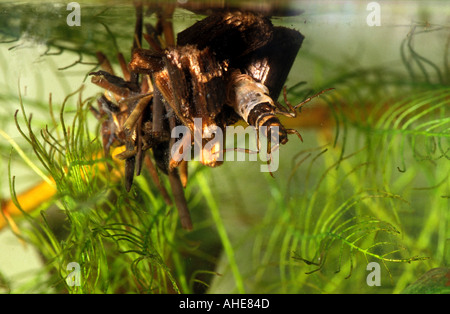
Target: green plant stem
{"points": [[203, 183]]}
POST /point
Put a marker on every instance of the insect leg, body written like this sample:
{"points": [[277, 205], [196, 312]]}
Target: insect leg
{"points": [[140, 153], [112, 83], [104, 62], [124, 66], [129, 171], [183, 172], [294, 131], [136, 113], [310, 98], [269, 151], [107, 114], [164, 19], [166, 164], [95, 112], [158, 113], [165, 22], [138, 26], [180, 199]]}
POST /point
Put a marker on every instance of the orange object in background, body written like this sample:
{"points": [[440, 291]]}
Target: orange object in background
{"points": [[28, 201]]}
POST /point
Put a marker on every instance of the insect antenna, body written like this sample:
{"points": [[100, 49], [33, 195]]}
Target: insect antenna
{"points": [[177, 179], [293, 110]]}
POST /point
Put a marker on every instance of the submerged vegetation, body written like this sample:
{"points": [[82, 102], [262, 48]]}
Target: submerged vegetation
{"points": [[369, 184]]}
